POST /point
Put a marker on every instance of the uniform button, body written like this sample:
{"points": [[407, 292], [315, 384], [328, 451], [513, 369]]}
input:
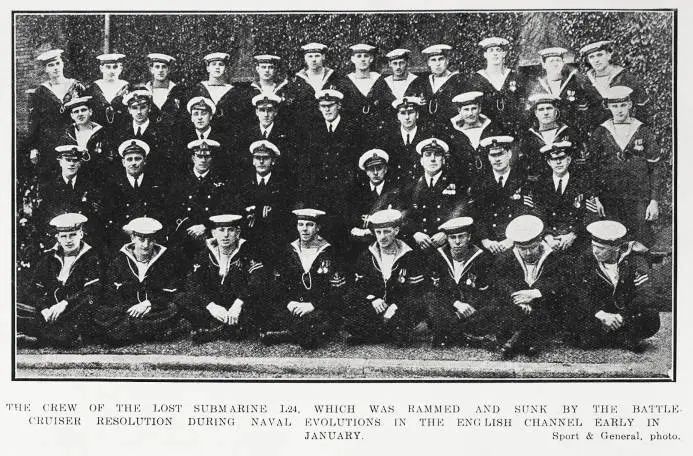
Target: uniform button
{"points": [[424, 206], [423, 220], [495, 215], [188, 209], [127, 204], [189, 197], [209, 196], [207, 209], [554, 214], [494, 225], [510, 216], [438, 219], [554, 228], [438, 206]]}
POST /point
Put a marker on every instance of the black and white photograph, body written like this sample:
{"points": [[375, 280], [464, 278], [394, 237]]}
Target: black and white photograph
{"points": [[344, 196]]}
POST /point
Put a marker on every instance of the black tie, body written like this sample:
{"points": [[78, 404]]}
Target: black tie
{"points": [[500, 182], [69, 182], [559, 189], [262, 183], [329, 128], [136, 186], [408, 140], [264, 133], [139, 132]]}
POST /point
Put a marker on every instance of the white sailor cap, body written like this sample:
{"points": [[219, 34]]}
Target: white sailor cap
{"points": [[145, 226], [266, 58], [436, 49], [216, 56], [137, 96], [203, 146], [222, 220], [468, 98], [607, 231], [617, 94], [361, 48], [78, 101], [557, 149], [408, 101], [163, 58], [70, 151], [133, 146], [308, 214], [457, 225], [398, 54], [48, 56], [373, 157], [264, 146], [524, 229], [385, 218], [496, 142], [432, 144], [202, 103], [542, 97], [596, 46], [266, 98], [314, 47], [329, 95], [68, 222], [110, 58], [493, 41], [552, 52]]}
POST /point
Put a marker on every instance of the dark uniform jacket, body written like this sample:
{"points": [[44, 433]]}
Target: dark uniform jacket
{"points": [[125, 202], [158, 140], [83, 285], [405, 285], [439, 106], [405, 164], [427, 208], [300, 96], [192, 201], [124, 288], [372, 110], [173, 113], [321, 285], [496, 206], [363, 201], [619, 77], [245, 279], [563, 213], [227, 159], [102, 158], [473, 286], [108, 113], [631, 173], [230, 111], [504, 106], [287, 139], [534, 162], [467, 161]]}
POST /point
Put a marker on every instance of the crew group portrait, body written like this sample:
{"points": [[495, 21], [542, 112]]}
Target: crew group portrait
{"points": [[495, 209]]}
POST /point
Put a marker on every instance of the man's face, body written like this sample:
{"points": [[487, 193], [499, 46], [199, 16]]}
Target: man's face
{"points": [[159, 71], [134, 164], [560, 164], [500, 159], [216, 68], [620, 110], [69, 165], [266, 114], [399, 68], [314, 60], [330, 110], [376, 173], [531, 252], [545, 113], [200, 118], [470, 114], [81, 115], [144, 245], [553, 65], [362, 60], [263, 163], [111, 71], [202, 161], [432, 161], [226, 236], [385, 237], [307, 230], [266, 71], [70, 241], [605, 253], [438, 64], [407, 116], [139, 111], [599, 60], [495, 55], [458, 243], [55, 68]]}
